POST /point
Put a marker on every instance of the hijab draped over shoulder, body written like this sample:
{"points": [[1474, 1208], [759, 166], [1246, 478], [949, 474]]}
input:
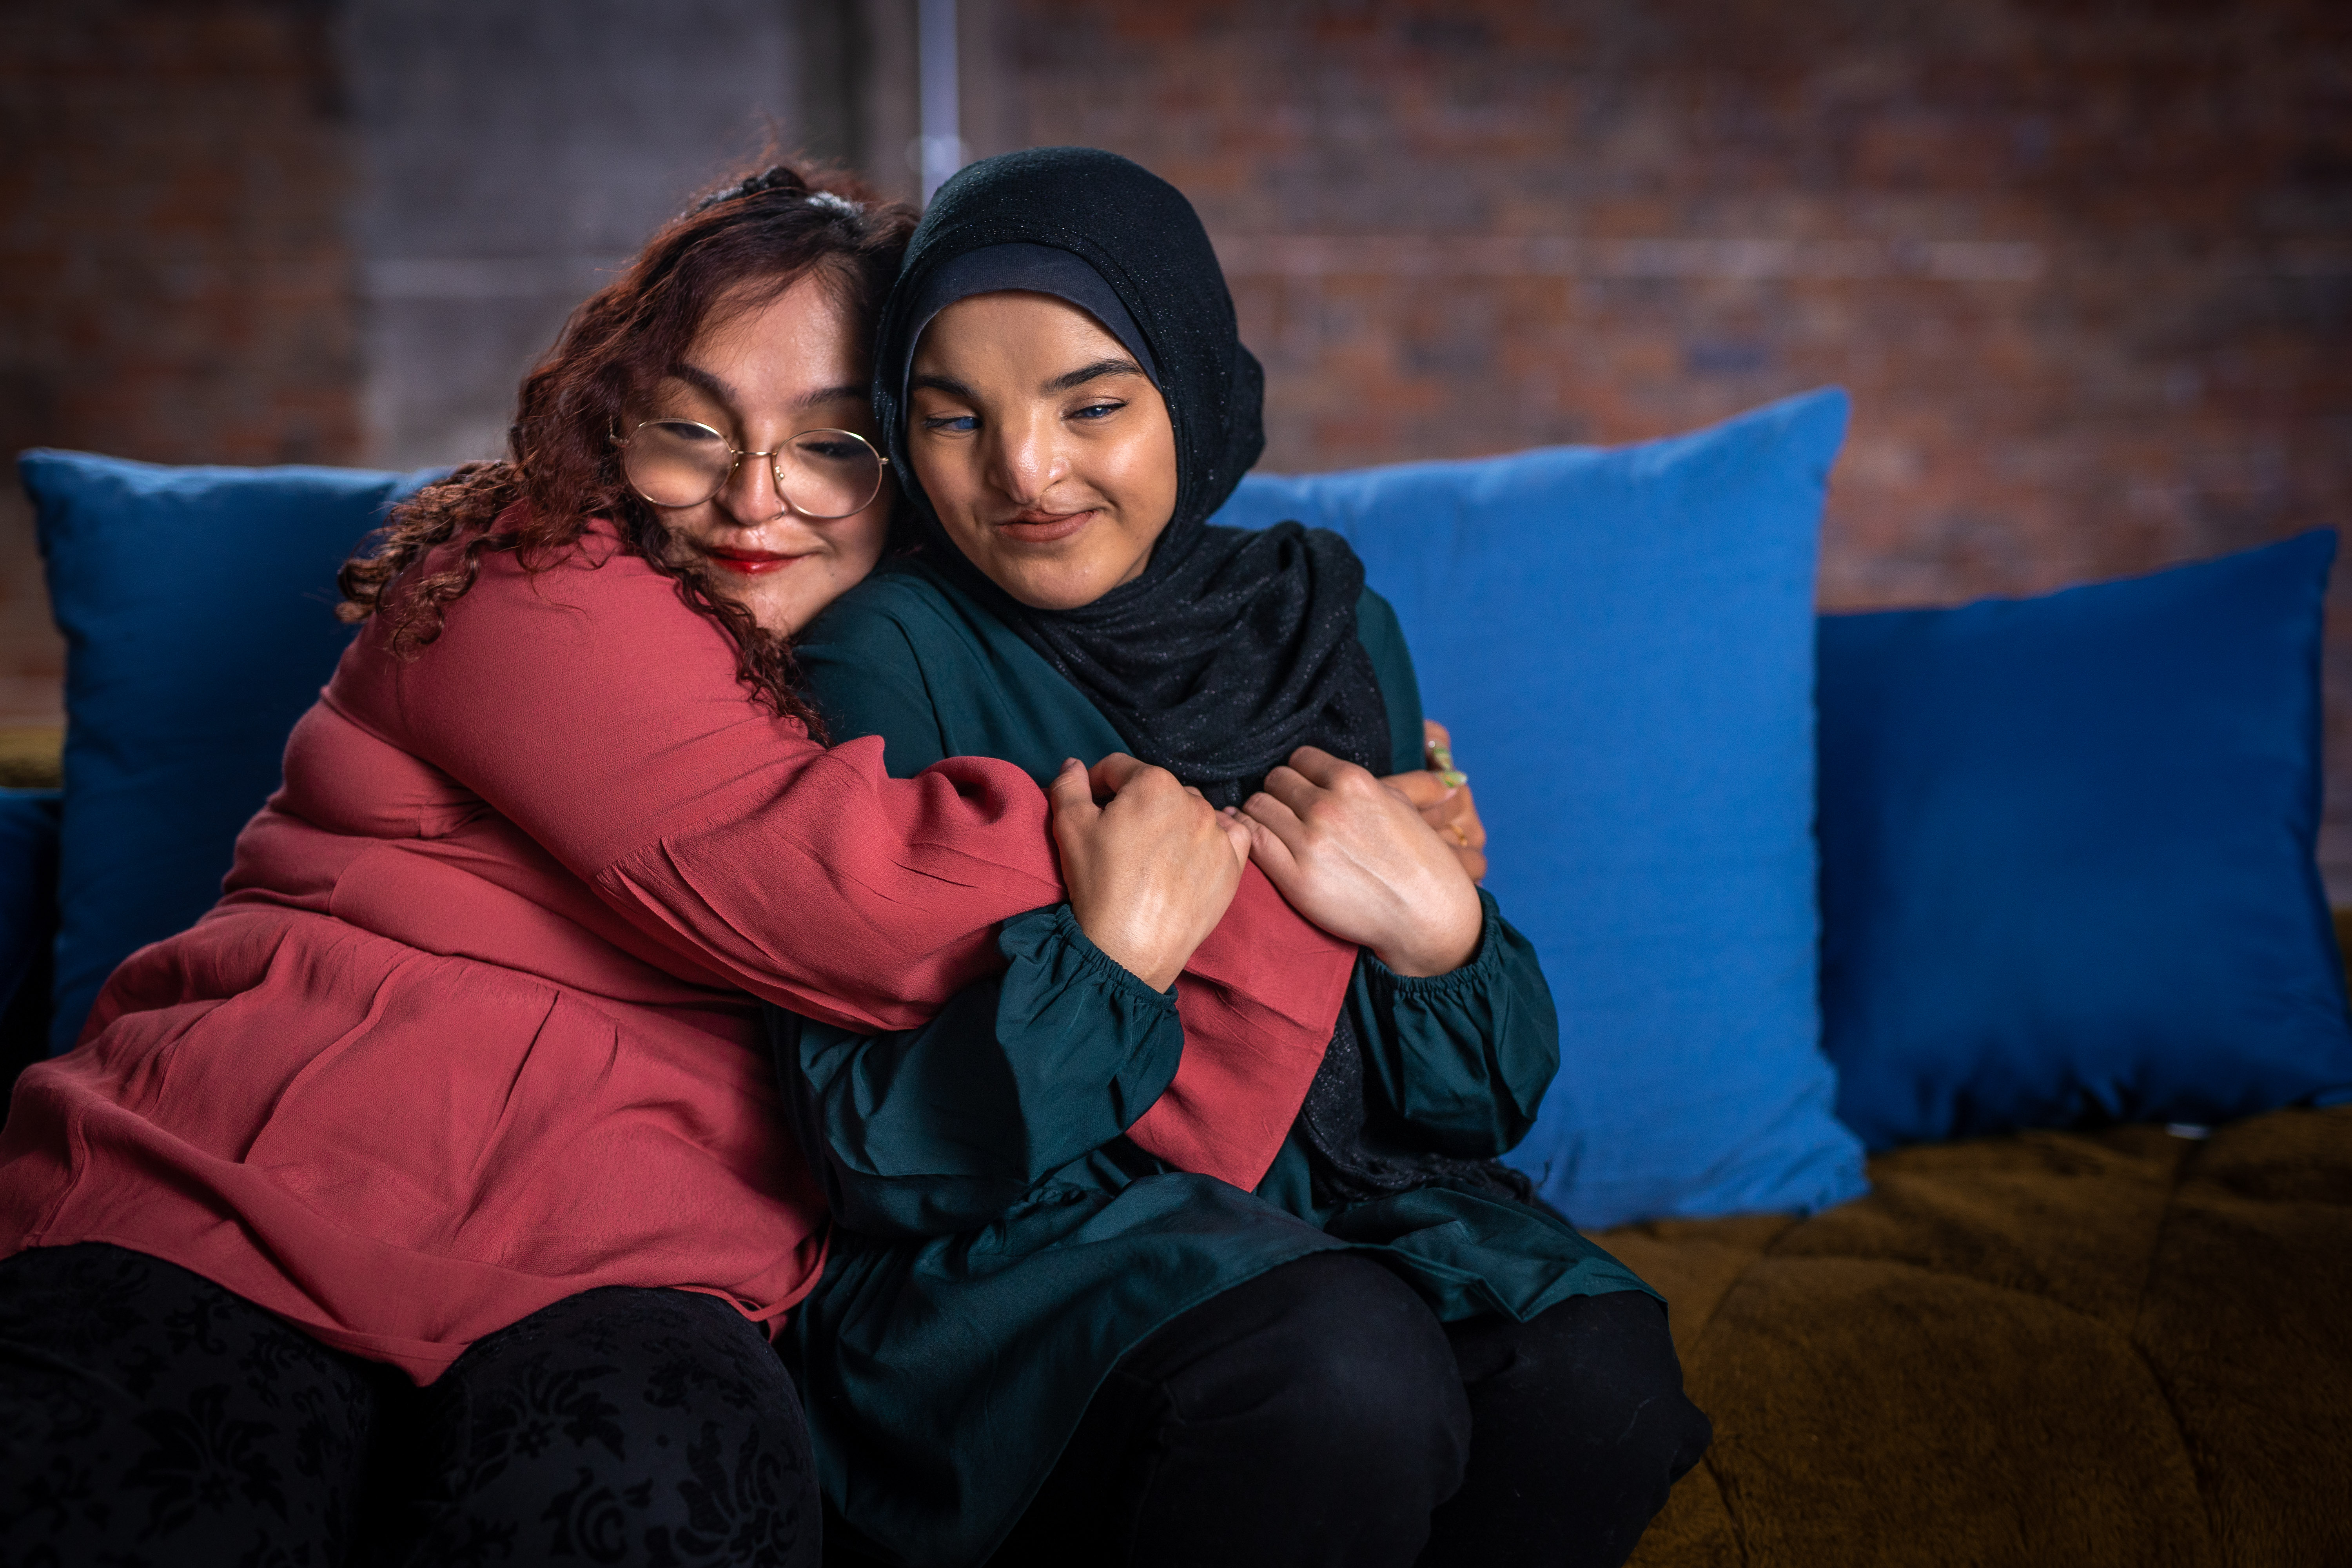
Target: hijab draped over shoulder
{"points": [[1234, 647]]}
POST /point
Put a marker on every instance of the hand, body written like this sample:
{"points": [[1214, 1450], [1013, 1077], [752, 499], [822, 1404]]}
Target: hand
{"points": [[1151, 870], [1446, 808], [1355, 856]]}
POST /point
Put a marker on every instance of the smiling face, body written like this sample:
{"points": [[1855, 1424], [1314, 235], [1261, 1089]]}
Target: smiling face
{"points": [[761, 375], [1045, 449]]}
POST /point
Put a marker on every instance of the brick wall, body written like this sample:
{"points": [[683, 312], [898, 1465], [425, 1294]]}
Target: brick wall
{"points": [[2086, 267], [2086, 264], [174, 281]]}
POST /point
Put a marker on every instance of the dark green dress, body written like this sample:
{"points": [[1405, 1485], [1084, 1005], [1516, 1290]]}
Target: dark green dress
{"points": [[1000, 1242]]}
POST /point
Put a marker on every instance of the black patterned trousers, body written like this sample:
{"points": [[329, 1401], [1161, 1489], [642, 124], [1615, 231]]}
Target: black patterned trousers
{"points": [[149, 1416]]}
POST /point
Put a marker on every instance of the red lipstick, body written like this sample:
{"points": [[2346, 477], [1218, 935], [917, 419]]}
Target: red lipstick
{"points": [[749, 562]]}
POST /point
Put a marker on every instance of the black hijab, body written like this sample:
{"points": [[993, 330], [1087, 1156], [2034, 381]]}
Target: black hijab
{"points": [[1234, 647]]}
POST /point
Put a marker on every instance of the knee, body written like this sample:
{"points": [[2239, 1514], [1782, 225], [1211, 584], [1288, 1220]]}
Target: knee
{"points": [[1604, 1370], [616, 1425], [1358, 1370]]}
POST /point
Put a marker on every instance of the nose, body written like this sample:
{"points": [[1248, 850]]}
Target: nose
{"points": [[1029, 458], [749, 497]]}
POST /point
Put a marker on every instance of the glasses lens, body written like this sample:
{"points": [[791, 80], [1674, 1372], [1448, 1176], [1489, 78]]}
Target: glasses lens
{"points": [[676, 462], [828, 473]]}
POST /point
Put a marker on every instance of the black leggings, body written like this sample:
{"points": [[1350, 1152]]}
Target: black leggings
{"points": [[148, 1415], [1321, 1415]]}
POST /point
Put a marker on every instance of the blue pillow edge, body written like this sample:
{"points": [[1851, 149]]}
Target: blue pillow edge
{"points": [[65, 487], [1830, 402]]}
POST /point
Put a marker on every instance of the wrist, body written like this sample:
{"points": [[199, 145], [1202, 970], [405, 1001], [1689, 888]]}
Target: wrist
{"points": [[1058, 926], [1148, 961], [1439, 946]]}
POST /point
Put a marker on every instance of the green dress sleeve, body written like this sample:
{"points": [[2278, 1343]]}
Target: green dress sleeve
{"points": [[939, 1129], [1461, 1059]]}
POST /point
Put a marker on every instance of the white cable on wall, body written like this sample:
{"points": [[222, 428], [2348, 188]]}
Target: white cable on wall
{"points": [[942, 137]]}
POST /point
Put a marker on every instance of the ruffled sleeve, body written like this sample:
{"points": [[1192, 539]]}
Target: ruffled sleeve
{"points": [[941, 1129], [1462, 1059]]}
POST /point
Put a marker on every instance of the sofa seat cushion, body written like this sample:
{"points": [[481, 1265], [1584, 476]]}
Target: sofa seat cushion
{"points": [[2124, 1347]]}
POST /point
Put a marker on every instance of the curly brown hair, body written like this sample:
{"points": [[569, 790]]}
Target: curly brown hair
{"points": [[743, 242]]}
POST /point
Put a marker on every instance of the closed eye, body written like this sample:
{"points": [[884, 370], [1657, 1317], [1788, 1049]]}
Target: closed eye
{"points": [[832, 449]]}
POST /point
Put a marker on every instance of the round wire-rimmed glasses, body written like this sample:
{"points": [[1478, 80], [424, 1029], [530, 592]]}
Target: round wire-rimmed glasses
{"points": [[820, 474]]}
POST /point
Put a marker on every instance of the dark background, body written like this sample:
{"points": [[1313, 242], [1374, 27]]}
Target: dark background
{"points": [[2086, 264]]}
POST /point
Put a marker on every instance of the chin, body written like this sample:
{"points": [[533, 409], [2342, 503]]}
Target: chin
{"points": [[1067, 589], [1044, 597], [787, 620]]}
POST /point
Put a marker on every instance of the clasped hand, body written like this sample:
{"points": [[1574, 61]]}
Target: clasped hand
{"points": [[1150, 865], [1355, 855], [1151, 869]]}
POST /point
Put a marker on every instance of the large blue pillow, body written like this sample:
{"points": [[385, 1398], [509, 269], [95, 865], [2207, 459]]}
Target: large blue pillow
{"points": [[2066, 855], [1622, 641], [198, 607]]}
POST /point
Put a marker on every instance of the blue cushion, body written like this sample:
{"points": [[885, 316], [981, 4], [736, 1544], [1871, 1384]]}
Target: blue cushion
{"points": [[198, 607], [1622, 641], [2067, 855]]}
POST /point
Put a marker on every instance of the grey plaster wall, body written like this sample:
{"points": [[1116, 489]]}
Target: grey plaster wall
{"points": [[510, 155]]}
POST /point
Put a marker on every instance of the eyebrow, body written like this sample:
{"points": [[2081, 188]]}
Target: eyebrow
{"points": [[1063, 383], [946, 383], [1088, 372], [831, 394], [696, 376]]}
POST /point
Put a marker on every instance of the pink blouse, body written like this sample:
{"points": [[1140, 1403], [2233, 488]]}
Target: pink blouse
{"points": [[471, 1029]]}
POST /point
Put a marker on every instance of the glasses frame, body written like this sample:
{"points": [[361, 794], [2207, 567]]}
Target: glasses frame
{"points": [[735, 455]]}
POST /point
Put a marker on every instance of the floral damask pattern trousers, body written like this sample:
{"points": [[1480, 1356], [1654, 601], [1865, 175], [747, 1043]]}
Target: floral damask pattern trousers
{"points": [[149, 1416]]}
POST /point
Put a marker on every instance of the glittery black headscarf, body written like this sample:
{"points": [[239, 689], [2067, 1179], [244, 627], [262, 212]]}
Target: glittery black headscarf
{"points": [[1234, 647]]}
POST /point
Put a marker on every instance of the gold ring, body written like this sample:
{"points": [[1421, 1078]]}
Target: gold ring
{"points": [[1459, 837]]}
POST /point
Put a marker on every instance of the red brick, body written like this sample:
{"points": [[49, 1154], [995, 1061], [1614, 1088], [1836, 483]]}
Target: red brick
{"points": [[2174, 381]]}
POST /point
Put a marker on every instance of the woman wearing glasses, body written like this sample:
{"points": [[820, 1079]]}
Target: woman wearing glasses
{"points": [[429, 1198]]}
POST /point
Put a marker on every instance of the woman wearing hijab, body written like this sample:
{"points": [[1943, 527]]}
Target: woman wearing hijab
{"points": [[1350, 1336]]}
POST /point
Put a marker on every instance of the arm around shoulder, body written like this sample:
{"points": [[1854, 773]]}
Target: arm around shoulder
{"points": [[591, 707]]}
